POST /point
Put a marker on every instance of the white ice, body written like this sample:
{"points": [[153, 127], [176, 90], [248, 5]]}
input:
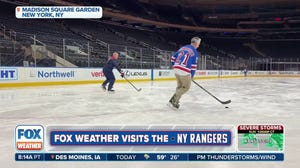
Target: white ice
{"points": [[254, 101]]}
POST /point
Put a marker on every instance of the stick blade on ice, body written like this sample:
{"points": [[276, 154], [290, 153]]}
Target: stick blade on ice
{"points": [[226, 102]]}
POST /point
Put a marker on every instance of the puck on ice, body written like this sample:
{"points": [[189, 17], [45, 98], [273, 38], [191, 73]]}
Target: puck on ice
{"points": [[226, 107]]}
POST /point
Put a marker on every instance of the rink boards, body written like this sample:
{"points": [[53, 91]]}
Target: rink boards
{"points": [[38, 76]]}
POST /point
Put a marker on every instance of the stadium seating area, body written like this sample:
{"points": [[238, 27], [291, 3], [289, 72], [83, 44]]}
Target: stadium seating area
{"points": [[89, 42], [11, 53]]}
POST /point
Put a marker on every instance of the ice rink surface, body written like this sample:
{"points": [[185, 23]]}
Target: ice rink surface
{"points": [[254, 101]]}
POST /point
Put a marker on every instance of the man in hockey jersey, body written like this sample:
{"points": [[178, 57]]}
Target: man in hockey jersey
{"points": [[108, 72], [184, 62]]}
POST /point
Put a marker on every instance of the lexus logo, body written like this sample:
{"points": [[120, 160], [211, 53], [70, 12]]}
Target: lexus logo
{"points": [[129, 73]]}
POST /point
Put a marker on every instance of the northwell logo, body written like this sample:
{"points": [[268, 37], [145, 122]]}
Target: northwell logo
{"points": [[55, 74]]}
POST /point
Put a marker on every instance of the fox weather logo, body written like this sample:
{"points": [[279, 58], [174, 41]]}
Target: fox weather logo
{"points": [[29, 137]]}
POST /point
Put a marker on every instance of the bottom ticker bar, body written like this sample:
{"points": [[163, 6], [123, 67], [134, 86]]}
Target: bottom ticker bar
{"points": [[149, 156]]}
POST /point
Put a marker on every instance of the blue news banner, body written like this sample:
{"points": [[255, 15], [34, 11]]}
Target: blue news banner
{"points": [[143, 138], [149, 157], [130, 137]]}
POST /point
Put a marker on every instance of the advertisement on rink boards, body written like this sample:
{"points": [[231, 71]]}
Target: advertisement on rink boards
{"points": [[62, 74], [161, 74], [285, 72], [19, 75], [82, 74], [51, 74], [216, 73], [28, 74], [261, 142], [134, 74], [8, 74], [167, 74]]}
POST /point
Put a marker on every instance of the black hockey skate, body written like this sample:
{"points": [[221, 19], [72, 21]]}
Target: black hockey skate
{"points": [[111, 91], [174, 103], [103, 87]]}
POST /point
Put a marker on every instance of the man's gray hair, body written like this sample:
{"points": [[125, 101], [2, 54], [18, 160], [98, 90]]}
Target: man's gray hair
{"points": [[196, 40]]}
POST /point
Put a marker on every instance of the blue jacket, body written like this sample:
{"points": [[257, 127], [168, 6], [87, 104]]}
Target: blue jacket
{"points": [[110, 64]]}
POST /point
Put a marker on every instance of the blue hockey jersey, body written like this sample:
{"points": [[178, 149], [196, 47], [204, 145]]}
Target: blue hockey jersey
{"points": [[185, 59]]}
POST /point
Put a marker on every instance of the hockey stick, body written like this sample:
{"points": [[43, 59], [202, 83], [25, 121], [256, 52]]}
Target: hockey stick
{"points": [[223, 102], [132, 85]]}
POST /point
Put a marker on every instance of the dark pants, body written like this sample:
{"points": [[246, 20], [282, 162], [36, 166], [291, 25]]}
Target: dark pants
{"points": [[110, 78]]}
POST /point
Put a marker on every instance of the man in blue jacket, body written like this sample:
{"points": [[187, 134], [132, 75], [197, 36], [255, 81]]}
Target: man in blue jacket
{"points": [[184, 62], [108, 72]]}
